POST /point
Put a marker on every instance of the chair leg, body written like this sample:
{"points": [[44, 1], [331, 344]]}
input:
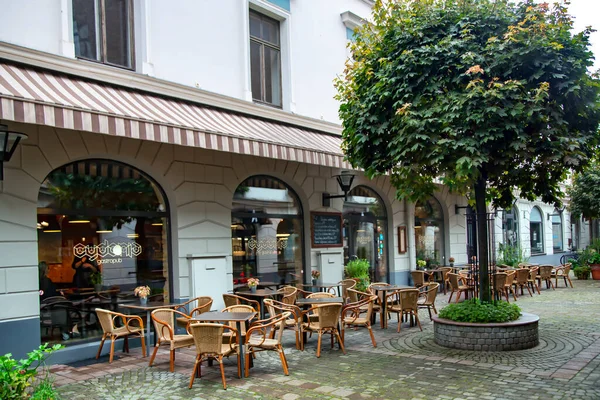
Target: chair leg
{"points": [[126, 344], [283, 360], [319, 345], [513, 293], [429, 311], [101, 344], [144, 354], [222, 372], [239, 365], [372, 337], [450, 299], [154, 353], [434, 309], [529, 290], [172, 360], [340, 341], [194, 371], [416, 315], [112, 349], [247, 362]]}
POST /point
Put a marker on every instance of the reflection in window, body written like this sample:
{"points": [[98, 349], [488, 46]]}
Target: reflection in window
{"points": [[365, 232], [510, 227], [266, 232], [557, 231], [102, 231], [536, 236], [429, 231]]}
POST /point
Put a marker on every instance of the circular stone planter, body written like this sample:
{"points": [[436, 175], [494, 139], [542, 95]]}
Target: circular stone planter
{"points": [[515, 335]]}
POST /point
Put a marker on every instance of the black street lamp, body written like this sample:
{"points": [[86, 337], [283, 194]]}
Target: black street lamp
{"points": [[345, 180], [8, 143]]}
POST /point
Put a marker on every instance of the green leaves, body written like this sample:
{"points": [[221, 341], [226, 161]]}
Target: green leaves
{"points": [[476, 311], [458, 89]]}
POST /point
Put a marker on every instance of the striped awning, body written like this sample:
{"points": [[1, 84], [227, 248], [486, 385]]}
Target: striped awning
{"points": [[48, 98]]}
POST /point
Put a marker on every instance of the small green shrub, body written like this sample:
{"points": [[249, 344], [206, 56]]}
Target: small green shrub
{"points": [[478, 312], [511, 255], [359, 270], [18, 378], [582, 272]]}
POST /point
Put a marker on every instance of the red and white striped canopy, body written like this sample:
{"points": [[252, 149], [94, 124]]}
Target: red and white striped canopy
{"points": [[48, 98]]}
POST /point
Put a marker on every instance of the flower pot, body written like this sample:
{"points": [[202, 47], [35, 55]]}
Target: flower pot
{"points": [[143, 301], [314, 281], [98, 287], [595, 271], [253, 289]]}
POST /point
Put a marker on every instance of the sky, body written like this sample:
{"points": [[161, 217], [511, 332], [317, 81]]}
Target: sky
{"points": [[586, 13]]}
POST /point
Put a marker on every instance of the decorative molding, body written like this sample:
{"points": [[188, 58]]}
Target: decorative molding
{"points": [[370, 3], [125, 78], [352, 20]]}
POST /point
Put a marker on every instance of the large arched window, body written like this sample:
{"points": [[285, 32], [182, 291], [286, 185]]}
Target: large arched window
{"points": [[557, 231], [365, 231], [266, 232], [510, 227], [536, 231], [429, 231], [102, 231]]}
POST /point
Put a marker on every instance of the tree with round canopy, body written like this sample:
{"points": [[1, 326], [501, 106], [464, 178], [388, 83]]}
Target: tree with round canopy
{"points": [[491, 98]]}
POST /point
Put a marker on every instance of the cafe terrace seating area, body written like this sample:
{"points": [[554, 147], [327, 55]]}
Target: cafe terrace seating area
{"points": [[309, 320]]}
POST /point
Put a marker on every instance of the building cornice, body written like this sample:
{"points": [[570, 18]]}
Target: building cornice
{"points": [[117, 76], [352, 20]]}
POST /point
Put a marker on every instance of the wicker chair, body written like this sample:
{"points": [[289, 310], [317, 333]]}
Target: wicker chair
{"points": [[320, 295], [164, 323], [381, 298], [293, 322], [546, 275], [445, 272], [351, 316], [500, 280], [408, 306], [238, 308], [303, 294], [234, 300], [347, 284], [107, 321], [532, 281], [521, 280], [510, 280], [427, 298], [328, 317], [265, 335], [289, 294], [456, 287], [418, 278], [193, 308], [209, 339], [562, 272]]}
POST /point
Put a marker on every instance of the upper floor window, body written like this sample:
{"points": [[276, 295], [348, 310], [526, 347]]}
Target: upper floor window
{"points": [[102, 31], [536, 231], [265, 59]]}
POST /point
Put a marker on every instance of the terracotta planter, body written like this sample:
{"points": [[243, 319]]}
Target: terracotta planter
{"points": [[595, 271]]}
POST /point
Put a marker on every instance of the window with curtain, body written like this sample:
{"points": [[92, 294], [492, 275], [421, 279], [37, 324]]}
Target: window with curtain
{"points": [[265, 59]]}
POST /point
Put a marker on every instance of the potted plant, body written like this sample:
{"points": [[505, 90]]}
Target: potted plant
{"points": [[252, 284], [594, 263], [96, 280], [359, 271], [421, 264], [451, 261], [582, 272], [315, 274], [143, 292]]}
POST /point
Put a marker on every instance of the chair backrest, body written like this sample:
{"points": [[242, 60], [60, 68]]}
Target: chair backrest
{"points": [[230, 299], [500, 280], [533, 273], [408, 299], [238, 308], [546, 271], [522, 276], [431, 293], [164, 321], [320, 295], [280, 323], [453, 279], [510, 276], [566, 268], [290, 294], [106, 319], [445, 272], [418, 277], [203, 305], [329, 315], [208, 337], [347, 284], [271, 307]]}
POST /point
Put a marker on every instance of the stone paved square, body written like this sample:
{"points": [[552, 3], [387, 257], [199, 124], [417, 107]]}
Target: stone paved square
{"points": [[406, 365]]}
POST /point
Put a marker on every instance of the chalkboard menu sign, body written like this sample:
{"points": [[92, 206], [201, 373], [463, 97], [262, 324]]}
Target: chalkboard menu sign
{"points": [[326, 229]]}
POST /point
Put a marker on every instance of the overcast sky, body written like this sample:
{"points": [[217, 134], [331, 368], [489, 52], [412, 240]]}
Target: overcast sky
{"points": [[587, 12]]}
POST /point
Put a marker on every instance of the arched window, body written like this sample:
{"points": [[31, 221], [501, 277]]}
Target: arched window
{"points": [[365, 231], [557, 231], [266, 232], [510, 227], [536, 231], [429, 231], [102, 231]]}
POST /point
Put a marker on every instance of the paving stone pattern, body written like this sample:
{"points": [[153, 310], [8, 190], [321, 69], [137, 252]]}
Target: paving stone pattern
{"points": [[405, 365]]}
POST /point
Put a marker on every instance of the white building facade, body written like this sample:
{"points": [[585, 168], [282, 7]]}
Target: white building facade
{"points": [[187, 146]]}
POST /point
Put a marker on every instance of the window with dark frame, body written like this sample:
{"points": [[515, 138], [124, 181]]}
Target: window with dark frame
{"points": [[265, 59], [103, 31]]}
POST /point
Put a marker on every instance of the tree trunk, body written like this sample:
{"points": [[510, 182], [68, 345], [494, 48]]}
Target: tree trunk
{"points": [[482, 238]]}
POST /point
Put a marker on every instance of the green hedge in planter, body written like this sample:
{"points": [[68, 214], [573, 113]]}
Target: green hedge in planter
{"points": [[478, 312]]}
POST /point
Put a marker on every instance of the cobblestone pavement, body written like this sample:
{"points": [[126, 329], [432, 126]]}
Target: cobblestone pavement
{"points": [[406, 365]]}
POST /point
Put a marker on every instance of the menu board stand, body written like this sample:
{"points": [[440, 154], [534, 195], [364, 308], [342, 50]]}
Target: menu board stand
{"points": [[326, 229]]}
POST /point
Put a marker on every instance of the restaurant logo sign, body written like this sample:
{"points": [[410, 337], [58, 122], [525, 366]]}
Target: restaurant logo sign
{"points": [[108, 249]]}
